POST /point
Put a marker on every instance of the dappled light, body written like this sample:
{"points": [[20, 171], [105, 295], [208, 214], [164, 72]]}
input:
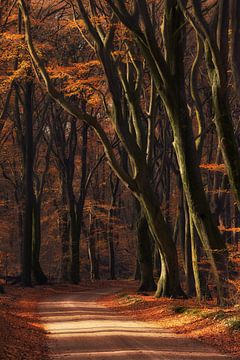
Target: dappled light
{"points": [[79, 327]]}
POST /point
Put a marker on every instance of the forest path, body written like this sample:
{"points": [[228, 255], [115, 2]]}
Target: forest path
{"points": [[81, 328]]}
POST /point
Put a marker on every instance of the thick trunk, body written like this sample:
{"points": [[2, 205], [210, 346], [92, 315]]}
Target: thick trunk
{"points": [[64, 234], [169, 282], [145, 255], [94, 266], [198, 206], [110, 239], [157, 262], [114, 185], [188, 260], [28, 187], [38, 273], [195, 267], [185, 147], [111, 254], [76, 207], [75, 243], [137, 272], [65, 245]]}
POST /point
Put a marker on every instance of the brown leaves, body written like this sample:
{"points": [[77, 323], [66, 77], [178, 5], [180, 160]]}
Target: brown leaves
{"points": [[22, 337], [203, 322]]}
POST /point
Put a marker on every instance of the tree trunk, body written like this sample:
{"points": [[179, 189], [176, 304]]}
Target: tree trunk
{"points": [[94, 266], [39, 275], [169, 282], [64, 231], [76, 207], [145, 254], [28, 187], [137, 272], [188, 259], [75, 252], [111, 253]]}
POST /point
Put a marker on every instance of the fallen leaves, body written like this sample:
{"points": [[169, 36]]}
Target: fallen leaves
{"points": [[21, 335], [204, 322]]}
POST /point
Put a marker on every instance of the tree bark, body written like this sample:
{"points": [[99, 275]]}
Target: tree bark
{"points": [[94, 266], [39, 275], [169, 281], [28, 187], [64, 232], [145, 254]]}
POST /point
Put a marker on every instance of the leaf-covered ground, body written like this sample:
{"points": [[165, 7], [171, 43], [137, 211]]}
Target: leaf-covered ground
{"points": [[219, 327], [21, 335], [23, 338]]}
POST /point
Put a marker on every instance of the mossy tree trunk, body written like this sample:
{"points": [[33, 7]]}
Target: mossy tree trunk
{"points": [[169, 281], [216, 42], [145, 253], [168, 74], [189, 254]]}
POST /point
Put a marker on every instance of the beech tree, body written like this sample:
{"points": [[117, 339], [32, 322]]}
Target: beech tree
{"points": [[149, 86], [167, 69], [136, 146]]}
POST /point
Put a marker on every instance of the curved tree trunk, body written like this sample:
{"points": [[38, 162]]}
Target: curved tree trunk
{"points": [[169, 281]]}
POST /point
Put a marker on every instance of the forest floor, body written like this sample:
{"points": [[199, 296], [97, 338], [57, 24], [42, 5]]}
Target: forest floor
{"points": [[109, 320], [205, 322], [22, 337]]}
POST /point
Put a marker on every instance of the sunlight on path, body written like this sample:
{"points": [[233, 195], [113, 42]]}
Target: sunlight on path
{"points": [[80, 328]]}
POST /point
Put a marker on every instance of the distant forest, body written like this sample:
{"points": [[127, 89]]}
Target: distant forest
{"points": [[119, 144]]}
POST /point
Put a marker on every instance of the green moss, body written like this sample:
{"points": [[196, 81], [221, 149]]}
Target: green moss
{"points": [[130, 298], [233, 323], [179, 309]]}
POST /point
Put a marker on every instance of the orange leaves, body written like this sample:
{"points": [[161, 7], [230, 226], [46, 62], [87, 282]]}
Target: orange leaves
{"points": [[12, 75], [72, 72], [232, 229], [14, 60], [214, 167], [73, 24], [94, 100], [83, 67], [78, 78], [77, 86], [12, 37], [60, 72]]}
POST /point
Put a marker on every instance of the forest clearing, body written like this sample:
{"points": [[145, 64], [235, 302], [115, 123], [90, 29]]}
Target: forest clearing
{"points": [[119, 179]]}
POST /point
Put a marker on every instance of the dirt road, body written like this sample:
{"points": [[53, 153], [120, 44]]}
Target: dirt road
{"points": [[80, 328]]}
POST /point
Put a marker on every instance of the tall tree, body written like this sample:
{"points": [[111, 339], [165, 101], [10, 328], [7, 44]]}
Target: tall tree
{"points": [[135, 144]]}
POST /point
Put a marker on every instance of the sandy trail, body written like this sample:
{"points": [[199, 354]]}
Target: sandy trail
{"points": [[81, 328]]}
